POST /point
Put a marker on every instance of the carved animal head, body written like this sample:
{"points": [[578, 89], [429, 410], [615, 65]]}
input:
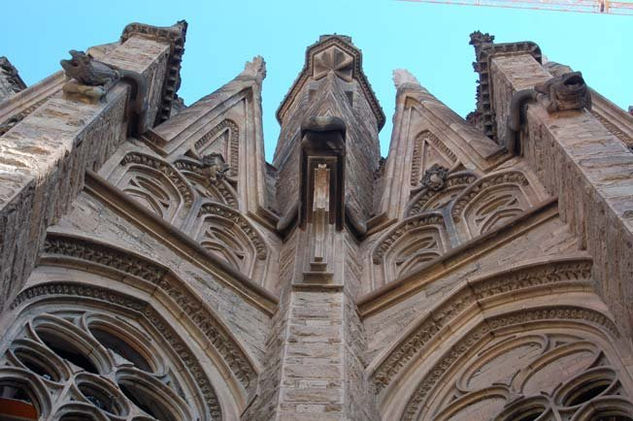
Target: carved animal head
{"points": [[88, 71], [566, 92]]}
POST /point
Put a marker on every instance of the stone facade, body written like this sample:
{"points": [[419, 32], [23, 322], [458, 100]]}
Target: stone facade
{"points": [[154, 266]]}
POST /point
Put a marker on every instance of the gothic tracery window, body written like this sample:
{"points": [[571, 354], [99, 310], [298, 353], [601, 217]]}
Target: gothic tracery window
{"points": [[91, 365], [533, 376]]}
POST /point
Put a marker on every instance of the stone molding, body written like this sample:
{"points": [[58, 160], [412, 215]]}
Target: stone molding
{"points": [[488, 327], [175, 36], [164, 168], [239, 221], [432, 219], [507, 177], [485, 51], [101, 254], [522, 278]]}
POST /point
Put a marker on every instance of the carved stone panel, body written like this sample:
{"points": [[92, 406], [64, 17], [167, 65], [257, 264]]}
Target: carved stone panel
{"points": [[530, 375], [223, 139], [428, 151], [491, 202], [231, 237], [155, 184], [408, 246]]}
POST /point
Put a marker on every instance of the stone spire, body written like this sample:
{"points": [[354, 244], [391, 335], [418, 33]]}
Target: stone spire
{"points": [[332, 84]]}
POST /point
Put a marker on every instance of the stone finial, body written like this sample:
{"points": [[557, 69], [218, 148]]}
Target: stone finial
{"points": [[477, 38], [402, 77], [256, 69]]}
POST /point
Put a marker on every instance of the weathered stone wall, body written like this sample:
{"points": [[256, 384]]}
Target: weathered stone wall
{"points": [[589, 169], [92, 219], [44, 157], [548, 239]]}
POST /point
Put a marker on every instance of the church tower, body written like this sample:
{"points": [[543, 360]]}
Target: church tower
{"points": [[154, 266]]}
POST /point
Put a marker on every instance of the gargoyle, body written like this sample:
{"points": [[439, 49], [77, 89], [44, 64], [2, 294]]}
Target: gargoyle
{"points": [[565, 92], [88, 71]]}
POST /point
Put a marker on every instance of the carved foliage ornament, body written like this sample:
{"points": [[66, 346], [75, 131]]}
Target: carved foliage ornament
{"points": [[434, 178]]}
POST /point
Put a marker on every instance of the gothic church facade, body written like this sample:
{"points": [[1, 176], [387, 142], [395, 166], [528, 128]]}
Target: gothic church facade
{"points": [[154, 266]]}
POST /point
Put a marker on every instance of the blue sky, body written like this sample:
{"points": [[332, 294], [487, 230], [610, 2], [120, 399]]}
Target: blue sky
{"points": [[428, 39]]}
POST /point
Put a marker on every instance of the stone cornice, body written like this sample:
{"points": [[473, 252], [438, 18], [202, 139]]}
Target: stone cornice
{"points": [[395, 291], [175, 36], [182, 244], [345, 44]]}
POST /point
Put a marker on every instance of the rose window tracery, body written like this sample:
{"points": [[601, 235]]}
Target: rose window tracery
{"points": [[87, 365]]}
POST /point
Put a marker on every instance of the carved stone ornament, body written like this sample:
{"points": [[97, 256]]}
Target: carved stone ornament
{"points": [[435, 178], [564, 93], [214, 166], [334, 60], [91, 78], [485, 50], [88, 71]]}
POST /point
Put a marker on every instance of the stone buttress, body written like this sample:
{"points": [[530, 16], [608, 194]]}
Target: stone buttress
{"points": [[153, 265]]}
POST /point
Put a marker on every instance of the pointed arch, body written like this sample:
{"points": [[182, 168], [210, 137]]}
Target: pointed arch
{"points": [[491, 201], [153, 290], [499, 319], [411, 243]]}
